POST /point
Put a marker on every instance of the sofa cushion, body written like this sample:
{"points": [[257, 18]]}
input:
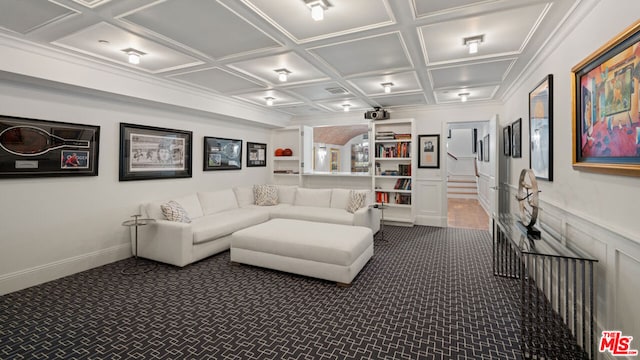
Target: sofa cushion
{"points": [[173, 211], [265, 195], [220, 224], [313, 197], [314, 213], [286, 194], [189, 203], [244, 195], [340, 198], [216, 201], [357, 200]]}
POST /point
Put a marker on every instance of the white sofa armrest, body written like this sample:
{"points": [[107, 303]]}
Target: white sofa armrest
{"points": [[369, 217], [166, 241]]}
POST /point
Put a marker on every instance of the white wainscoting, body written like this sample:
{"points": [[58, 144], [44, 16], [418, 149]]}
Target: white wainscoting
{"points": [[617, 271], [429, 204], [483, 192]]}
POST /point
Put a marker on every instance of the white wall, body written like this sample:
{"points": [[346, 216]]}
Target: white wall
{"points": [[52, 227], [596, 213]]}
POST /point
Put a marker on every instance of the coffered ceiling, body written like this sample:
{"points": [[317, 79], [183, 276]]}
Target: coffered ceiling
{"points": [[232, 48]]}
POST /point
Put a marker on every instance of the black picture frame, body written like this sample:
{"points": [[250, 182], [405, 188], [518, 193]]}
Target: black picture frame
{"points": [[475, 140], [506, 140], [485, 149], [541, 129], [222, 154], [429, 151], [606, 119], [43, 148], [148, 152], [256, 154], [480, 152], [516, 138]]}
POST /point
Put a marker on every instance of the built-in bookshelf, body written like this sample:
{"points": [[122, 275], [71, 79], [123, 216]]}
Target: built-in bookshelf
{"points": [[286, 169], [393, 154]]}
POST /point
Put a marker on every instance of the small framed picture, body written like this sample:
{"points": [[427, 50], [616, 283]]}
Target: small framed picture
{"points": [[516, 138], [506, 140], [429, 151], [222, 154], [485, 149], [256, 154], [148, 152]]}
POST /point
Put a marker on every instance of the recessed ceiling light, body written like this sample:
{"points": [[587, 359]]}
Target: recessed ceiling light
{"points": [[133, 55], [387, 87], [473, 42], [317, 8], [464, 96], [346, 107], [269, 100], [283, 74]]}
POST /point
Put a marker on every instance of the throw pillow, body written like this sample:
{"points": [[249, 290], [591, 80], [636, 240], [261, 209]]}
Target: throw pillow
{"points": [[356, 201], [265, 195], [173, 211]]}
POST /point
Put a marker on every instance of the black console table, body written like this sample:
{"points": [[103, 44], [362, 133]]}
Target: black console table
{"points": [[556, 292]]}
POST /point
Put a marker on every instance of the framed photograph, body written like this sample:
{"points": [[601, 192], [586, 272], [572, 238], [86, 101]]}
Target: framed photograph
{"points": [[429, 151], [485, 149], [475, 140], [541, 129], [516, 138], [606, 107], [256, 154], [154, 153], [506, 140], [38, 148], [222, 154], [479, 150]]}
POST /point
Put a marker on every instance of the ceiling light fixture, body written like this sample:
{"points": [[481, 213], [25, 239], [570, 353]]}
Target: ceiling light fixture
{"points": [[464, 96], [387, 87], [346, 107], [283, 74], [473, 42], [317, 8], [134, 55], [269, 100]]}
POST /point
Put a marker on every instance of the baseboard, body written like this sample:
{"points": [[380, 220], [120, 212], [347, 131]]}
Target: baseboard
{"points": [[40, 274], [437, 221]]}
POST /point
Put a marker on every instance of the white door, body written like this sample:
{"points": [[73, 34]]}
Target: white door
{"points": [[494, 161]]}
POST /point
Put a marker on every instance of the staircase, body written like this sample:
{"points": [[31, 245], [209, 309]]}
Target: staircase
{"points": [[462, 187]]}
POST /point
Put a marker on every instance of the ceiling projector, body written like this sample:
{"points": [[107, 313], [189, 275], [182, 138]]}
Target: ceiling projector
{"points": [[376, 114]]}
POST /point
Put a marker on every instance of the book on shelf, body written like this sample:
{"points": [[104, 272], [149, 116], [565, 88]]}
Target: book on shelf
{"points": [[403, 136], [403, 184], [399, 150], [404, 199]]}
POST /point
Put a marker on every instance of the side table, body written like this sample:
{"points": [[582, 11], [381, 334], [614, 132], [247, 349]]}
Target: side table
{"points": [[381, 206], [138, 267]]}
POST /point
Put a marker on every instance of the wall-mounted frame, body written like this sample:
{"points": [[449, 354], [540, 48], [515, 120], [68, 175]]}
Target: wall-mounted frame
{"points": [[475, 140], [516, 138], [506, 140], [479, 150], [541, 129], [148, 152], [256, 154], [606, 107], [222, 154], [485, 148], [429, 151], [39, 148]]}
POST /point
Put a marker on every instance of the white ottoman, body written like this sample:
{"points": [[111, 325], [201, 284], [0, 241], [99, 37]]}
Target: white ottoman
{"points": [[321, 250]]}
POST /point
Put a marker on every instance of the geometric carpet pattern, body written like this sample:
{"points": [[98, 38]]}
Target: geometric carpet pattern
{"points": [[427, 293]]}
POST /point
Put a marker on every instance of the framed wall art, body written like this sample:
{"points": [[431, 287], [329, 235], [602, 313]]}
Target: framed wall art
{"points": [[38, 148], [479, 150], [506, 140], [516, 138], [541, 129], [606, 107], [485, 148], [148, 152], [256, 154], [222, 154], [475, 140], [429, 151]]}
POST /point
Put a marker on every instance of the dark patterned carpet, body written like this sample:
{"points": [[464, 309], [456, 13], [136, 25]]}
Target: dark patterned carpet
{"points": [[428, 293]]}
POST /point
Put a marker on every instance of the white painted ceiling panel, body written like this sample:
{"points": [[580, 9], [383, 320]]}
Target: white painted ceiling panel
{"points": [[476, 93], [338, 105], [293, 17], [485, 73], [157, 58], [301, 110], [203, 25], [424, 8], [381, 53], [23, 16], [372, 85], [263, 68], [505, 32], [218, 80], [401, 100], [259, 98], [324, 91], [92, 3]]}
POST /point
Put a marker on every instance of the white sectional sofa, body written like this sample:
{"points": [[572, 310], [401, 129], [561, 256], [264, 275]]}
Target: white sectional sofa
{"points": [[216, 215]]}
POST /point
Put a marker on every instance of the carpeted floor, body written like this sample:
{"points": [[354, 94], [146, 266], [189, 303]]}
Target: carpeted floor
{"points": [[428, 293]]}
